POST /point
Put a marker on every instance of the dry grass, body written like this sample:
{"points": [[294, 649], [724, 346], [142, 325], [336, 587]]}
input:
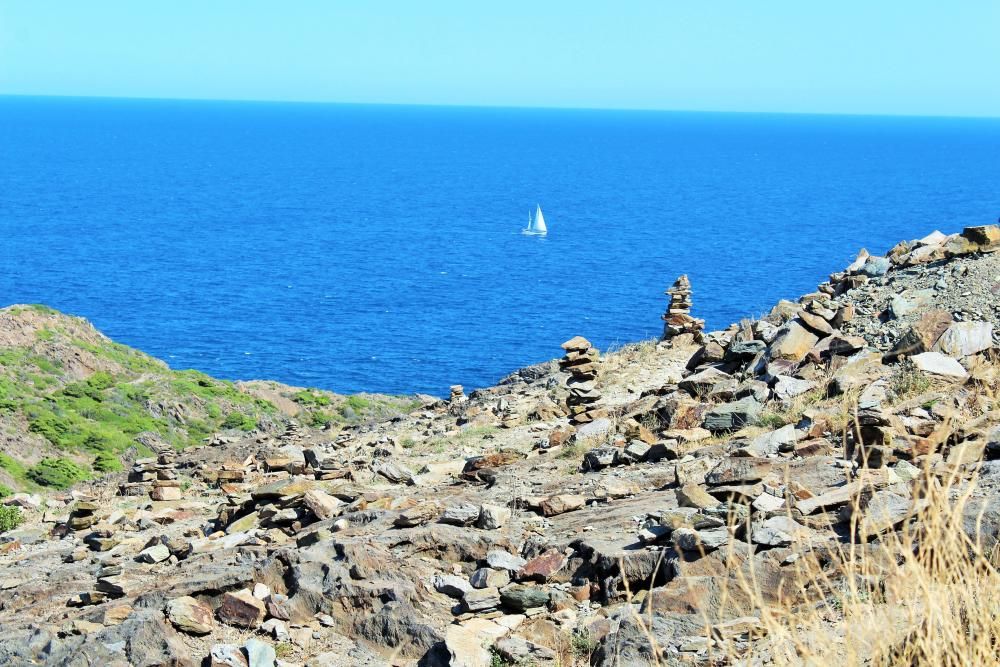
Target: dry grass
{"points": [[922, 590]]}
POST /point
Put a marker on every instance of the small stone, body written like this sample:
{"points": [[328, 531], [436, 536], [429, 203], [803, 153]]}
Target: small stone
{"points": [[936, 363], [190, 615], [226, 655], [541, 568], [521, 598], [493, 517], [693, 495], [451, 585], [259, 654], [504, 560], [485, 577], [460, 515], [154, 554], [560, 504], [322, 504], [481, 600], [241, 609]]}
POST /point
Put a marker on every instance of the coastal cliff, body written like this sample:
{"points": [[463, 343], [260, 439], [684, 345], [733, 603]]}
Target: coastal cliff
{"points": [[816, 484]]}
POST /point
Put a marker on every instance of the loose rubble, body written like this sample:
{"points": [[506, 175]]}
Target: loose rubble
{"points": [[547, 512]]}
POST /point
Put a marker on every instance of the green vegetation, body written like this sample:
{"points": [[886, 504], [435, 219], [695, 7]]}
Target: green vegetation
{"points": [[5, 491], [311, 397], [60, 473], [908, 381], [13, 467], [106, 462], [10, 518], [771, 419], [241, 421]]}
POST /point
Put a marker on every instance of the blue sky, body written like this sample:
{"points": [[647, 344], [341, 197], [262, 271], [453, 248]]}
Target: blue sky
{"points": [[877, 56]]}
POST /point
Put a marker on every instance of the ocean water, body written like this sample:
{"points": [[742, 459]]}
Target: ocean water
{"points": [[377, 248]]}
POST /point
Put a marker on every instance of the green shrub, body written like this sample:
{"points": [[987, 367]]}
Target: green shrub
{"points": [[240, 421], [5, 491], [10, 518], [319, 419], [311, 397], [12, 466], [106, 462], [59, 473]]}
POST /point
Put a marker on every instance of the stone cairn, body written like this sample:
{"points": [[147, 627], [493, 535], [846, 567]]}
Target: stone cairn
{"points": [[677, 320], [581, 362], [292, 434], [166, 486], [155, 476], [457, 394]]}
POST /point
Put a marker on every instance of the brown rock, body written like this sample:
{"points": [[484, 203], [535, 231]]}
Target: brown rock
{"points": [[241, 609], [793, 343], [923, 334], [323, 505], [541, 568], [190, 615], [561, 504], [692, 495]]}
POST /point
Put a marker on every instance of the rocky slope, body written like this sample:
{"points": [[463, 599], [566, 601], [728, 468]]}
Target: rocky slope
{"points": [[604, 510]]}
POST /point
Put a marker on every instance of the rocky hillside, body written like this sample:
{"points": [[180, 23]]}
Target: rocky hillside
{"points": [[812, 486], [75, 405]]}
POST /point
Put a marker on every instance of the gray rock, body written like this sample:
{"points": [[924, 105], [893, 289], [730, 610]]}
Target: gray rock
{"points": [[450, 585], [460, 515], [154, 554], [504, 560], [600, 458], [227, 655], [769, 444], [485, 577], [260, 654], [521, 598], [963, 339], [493, 517], [481, 600], [936, 363], [689, 539], [732, 416], [596, 429], [521, 651], [875, 267]]}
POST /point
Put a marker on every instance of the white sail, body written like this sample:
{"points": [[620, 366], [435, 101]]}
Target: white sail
{"points": [[539, 223], [536, 223]]}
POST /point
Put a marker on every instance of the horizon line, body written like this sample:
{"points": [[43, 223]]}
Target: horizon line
{"points": [[153, 98]]}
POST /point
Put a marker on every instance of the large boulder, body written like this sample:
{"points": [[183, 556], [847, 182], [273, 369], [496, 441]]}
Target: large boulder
{"points": [[793, 343], [963, 339]]}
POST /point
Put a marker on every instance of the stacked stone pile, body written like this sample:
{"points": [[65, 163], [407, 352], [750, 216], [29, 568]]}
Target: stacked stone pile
{"points": [[166, 486], [457, 394], [83, 515], [677, 320], [581, 362], [292, 434], [140, 478]]}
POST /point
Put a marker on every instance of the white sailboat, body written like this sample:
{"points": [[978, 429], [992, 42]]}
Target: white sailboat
{"points": [[536, 225]]}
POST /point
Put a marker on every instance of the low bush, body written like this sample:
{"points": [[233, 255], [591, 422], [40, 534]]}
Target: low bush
{"points": [[240, 421], [59, 473], [10, 518], [106, 462]]}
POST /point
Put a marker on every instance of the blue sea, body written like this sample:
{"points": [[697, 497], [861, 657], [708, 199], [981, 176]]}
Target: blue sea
{"points": [[378, 248]]}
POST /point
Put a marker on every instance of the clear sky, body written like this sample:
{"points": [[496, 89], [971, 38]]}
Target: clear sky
{"points": [[934, 57]]}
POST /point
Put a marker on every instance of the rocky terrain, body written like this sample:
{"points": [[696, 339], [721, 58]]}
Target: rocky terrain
{"points": [[647, 506]]}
